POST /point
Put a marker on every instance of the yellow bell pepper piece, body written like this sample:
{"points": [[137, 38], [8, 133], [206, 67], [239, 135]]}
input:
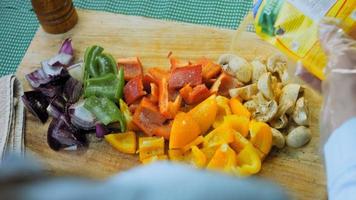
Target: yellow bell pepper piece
{"points": [[150, 146], [154, 158], [128, 116], [198, 158], [176, 155], [205, 113], [195, 142], [223, 159], [261, 136], [248, 161], [239, 143], [124, 142], [238, 108], [223, 110], [209, 152], [238, 123], [184, 130], [221, 135]]}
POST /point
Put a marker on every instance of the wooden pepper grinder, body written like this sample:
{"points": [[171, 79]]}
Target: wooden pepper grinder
{"points": [[55, 16]]}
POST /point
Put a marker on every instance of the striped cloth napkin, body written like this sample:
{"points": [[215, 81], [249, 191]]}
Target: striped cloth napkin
{"points": [[11, 118]]}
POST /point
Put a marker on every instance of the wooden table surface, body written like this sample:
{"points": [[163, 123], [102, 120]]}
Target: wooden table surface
{"points": [[300, 171]]}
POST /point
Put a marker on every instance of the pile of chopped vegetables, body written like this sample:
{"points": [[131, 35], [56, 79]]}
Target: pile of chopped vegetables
{"points": [[223, 116]]}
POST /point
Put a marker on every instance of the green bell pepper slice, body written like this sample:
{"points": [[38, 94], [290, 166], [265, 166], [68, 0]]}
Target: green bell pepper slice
{"points": [[90, 61], [104, 86], [106, 64], [105, 111]]}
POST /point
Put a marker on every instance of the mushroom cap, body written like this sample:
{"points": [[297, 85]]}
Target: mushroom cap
{"points": [[278, 139], [298, 137], [289, 93], [236, 66], [300, 113]]}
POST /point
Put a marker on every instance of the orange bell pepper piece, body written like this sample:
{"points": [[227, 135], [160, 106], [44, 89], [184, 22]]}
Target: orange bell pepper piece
{"points": [[198, 158], [223, 110], [248, 162], [205, 113], [224, 83], [167, 108], [238, 123], [184, 130], [223, 159], [150, 146], [261, 136], [154, 158], [195, 142], [124, 142], [238, 108], [194, 95], [209, 68], [221, 135]]}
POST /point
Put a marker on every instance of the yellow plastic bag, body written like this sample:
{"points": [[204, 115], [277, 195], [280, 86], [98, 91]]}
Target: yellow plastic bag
{"points": [[292, 26]]}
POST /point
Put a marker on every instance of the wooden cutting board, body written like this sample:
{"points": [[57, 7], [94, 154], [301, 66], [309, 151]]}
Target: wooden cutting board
{"points": [[300, 171]]}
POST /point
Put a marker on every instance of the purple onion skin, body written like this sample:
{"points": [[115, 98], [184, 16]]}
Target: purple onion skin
{"points": [[36, 103], [67, 47], [100, 130], [62, 135]]}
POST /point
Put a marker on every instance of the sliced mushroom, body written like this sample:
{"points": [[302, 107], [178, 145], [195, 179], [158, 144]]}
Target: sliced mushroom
{"points": [[298, 137], [280, 122], [246, 92], [236, 66], [289, 93], [224, 59], [258, 68], [278, 139], [276, 87], [264, 85], [250, 105], [300, 114], [278, 64], [265, 110]]}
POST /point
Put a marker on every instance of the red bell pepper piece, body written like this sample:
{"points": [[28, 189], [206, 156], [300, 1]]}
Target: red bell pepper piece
{"points": [[154, 96], [148, 118], [194, 95], [133, 90], [132, 67], [185, 75]]}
